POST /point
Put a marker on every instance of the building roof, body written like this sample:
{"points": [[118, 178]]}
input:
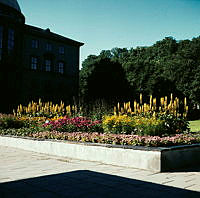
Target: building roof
{"points": [[48, 34], [11, 3]]}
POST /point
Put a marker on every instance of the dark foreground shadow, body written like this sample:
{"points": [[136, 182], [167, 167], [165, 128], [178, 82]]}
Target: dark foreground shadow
{"points": [[88, 184]]}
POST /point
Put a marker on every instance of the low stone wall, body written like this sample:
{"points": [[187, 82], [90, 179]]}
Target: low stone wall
{"points": [[178, 157], [154, 159]]}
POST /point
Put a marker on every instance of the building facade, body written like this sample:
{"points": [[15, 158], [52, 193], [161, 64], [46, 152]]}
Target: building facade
{"points": [[34, 63]]}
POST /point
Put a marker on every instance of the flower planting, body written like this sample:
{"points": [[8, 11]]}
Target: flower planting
{"points": [[67, 124], [119, 139], [140, 124], [152, 108], [45, 109], [148, 119], [54, 111], [32, 121], [103, 138], [161, 125], [118, 124]]}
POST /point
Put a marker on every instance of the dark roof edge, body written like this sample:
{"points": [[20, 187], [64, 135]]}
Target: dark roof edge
{"points": [[48, 33], [11, 9], [14, 5]]}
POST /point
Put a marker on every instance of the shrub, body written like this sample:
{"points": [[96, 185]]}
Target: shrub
{"points": [[10, 121], [173, 124]]}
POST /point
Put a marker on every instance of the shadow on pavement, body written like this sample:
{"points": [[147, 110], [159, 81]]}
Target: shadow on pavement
{"points": [[190, 169], [88, 184]]}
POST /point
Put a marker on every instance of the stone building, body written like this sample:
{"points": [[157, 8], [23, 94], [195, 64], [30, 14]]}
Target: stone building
{"points": [[34, 63]]}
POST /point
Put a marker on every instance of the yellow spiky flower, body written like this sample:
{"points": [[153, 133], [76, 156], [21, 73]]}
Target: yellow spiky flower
{"points": [[141, 98]]}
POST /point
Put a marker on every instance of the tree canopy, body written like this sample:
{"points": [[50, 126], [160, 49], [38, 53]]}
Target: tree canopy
{"points": [[168, 66]]}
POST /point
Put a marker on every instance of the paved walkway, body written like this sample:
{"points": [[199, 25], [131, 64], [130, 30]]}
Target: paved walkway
{"points": [[34, 175]]}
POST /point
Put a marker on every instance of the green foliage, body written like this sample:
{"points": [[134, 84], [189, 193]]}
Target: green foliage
{"points": [[174, 124], [118, 124], [97, 109], [149, 126], [161, 125], [10, 121], [168, 66], [194, 126], [138, 125], [102, 77], [25, 132]]}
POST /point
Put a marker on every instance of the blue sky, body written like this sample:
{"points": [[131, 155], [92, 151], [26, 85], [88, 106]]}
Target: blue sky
{"points": [[105, 24]]}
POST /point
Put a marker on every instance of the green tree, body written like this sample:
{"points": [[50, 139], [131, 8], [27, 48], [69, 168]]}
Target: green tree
{"points": [[165, 67]]}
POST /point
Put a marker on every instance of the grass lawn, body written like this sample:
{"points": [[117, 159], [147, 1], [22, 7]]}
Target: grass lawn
{"points": [[195, 125]]}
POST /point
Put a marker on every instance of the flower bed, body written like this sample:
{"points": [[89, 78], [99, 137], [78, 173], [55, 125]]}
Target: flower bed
{"points": [[146, 125], [114, 139], [149, 137], [116, 130]]}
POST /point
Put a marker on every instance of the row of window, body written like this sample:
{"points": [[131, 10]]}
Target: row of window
{"points": [[48, 67], [11, 42], [35, 44]]}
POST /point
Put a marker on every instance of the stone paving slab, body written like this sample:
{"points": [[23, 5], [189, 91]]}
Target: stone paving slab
{"points": [[35, 175]]}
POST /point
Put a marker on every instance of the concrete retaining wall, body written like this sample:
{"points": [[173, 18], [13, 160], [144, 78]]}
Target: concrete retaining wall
{"points": [[155, 160], [180, 157]]}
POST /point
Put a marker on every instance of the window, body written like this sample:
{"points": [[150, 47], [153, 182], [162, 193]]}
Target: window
{"points": [[47, 65], [1, 41], [34, 63], [35, 43], [61, 50], [11, 38], [1, 37], [48, 47], [60, 67]]}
